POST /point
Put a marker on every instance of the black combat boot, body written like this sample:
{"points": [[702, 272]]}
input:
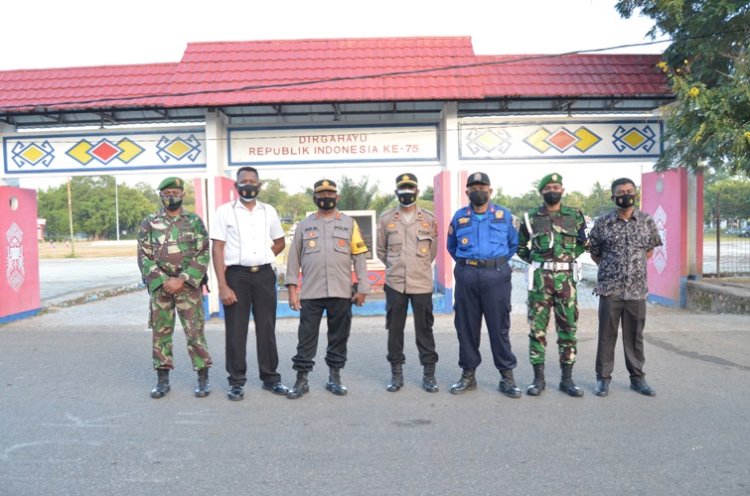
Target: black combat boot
{"points": [[507, 384], [429, 383], [566, 381], [397, 378], [536, 387], [300, 387], [203, 388], [334, 382], [465, 383], [162, 385]]}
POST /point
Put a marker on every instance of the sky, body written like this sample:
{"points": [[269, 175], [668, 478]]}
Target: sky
{"points": [[74, 33]]}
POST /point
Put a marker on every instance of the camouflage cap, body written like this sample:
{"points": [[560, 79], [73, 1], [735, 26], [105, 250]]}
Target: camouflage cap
{"points": [[406, 180], [325, 185], [478, 178], [549, 178], [171, 182]]}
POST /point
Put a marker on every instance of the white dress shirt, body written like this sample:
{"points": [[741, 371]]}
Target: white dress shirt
{"points": [[247, 234]]}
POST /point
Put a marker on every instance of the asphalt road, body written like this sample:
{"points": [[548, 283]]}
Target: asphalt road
{"points": [[76, 417]]}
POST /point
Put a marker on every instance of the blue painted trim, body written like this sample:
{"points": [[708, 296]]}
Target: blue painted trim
{"points": [[661, 300], [24, 138], [19, 316], [658, 122]]}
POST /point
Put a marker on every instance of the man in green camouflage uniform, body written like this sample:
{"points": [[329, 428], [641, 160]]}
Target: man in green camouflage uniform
{"points": [[550, 239], [173, 258]]}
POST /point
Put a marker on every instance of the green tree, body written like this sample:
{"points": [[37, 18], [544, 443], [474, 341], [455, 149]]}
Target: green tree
{"points": [[356, 196], [598, 202], [708, 65], [93, 200], [734, 199]]}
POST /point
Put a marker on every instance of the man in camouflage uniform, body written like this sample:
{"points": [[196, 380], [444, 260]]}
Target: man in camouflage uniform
{"points": [[325, 246], [173, 258], [550, 239]]}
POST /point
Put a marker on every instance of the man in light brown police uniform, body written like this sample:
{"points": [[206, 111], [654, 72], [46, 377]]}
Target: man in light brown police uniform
{"points": [[324, 247], [407, 245]]}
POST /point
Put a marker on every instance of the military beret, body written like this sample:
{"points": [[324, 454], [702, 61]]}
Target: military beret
{"points": [[325, 185], [171, 182], [406, 180], [478, 178], [549, 178]]}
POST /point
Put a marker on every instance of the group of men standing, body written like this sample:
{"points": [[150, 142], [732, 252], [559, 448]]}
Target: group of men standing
{"points": [[173, 255]]}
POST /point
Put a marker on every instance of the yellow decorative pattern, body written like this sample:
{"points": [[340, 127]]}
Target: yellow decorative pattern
{"points": [[634, 138], [537, 138], [33, 153], [178, 148], [80, 152], [129, 150], [586, 139]]}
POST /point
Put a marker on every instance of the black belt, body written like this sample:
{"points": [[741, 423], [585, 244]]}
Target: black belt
{"points": [[250, 268], [492, 262]]}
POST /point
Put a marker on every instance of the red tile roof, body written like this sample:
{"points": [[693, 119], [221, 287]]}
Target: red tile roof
{"points": [[85, 87], [573, 75], [331, 70], [325, 71]]}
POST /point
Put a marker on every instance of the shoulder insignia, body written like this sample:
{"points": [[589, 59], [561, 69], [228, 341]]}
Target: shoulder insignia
{"points": [[395, 216], [500, 214], [419, 215], [463, 220]]}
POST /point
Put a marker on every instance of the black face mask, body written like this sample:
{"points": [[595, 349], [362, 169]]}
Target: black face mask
{"points": [[552, 197], [326, 203], [248, 192], [407, 198], [625, 201], [171, 203], [479, 198]]}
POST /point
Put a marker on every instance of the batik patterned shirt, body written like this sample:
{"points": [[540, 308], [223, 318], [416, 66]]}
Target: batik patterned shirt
{"points": [[622, 246]]}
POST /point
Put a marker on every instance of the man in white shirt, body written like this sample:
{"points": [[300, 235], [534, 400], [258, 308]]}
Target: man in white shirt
{"points": [[247, 235]]}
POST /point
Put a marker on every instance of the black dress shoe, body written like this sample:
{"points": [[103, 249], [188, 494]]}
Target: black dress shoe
{"points": [[602, 388], [640, 386], [160, 390], [236, 393], [276, 388]]}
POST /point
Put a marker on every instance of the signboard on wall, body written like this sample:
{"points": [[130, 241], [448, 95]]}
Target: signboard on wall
{"points": [[104, 152], [560, 140], [350, 144]]}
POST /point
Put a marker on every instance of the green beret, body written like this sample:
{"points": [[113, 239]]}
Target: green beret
{"points": [[549, 178], [171, 182]]}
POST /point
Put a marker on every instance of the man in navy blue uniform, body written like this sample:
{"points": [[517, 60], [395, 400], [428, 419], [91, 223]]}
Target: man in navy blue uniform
{"points": [[482, 239]]}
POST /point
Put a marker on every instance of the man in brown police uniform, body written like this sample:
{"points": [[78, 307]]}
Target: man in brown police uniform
{"points": [[407, 245], [325, 246]]}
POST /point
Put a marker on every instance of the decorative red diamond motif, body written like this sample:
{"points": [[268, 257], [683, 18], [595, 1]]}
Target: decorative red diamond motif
{"points": [[561, 139], [104, 151]]}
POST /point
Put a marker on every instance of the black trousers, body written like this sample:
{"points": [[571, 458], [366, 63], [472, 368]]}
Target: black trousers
{"points": [[632, 315], [339, 315], [256, 293], [483, 291], [396, 306]]}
